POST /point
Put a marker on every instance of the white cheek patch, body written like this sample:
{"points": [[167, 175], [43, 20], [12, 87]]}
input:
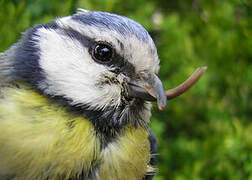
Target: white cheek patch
{"points": [[71, 72]]}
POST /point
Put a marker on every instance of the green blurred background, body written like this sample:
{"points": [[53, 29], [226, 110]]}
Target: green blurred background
{"points": [[207, 132]]}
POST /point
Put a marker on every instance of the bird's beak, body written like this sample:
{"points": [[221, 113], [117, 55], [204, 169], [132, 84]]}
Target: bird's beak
{"points": [[149, 87]]}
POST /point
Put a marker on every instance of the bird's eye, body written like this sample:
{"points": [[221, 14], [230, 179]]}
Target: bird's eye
{"points": [[102, 53]]}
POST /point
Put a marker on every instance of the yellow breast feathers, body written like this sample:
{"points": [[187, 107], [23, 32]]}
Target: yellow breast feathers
{"points": [[40, 140]]}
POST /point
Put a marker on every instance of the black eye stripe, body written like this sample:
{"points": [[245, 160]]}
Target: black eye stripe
{"points": [[84, 40], [119, 63]]}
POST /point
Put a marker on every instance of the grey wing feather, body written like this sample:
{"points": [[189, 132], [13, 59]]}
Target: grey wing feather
{"points": [[153, 151], [6, 64]]}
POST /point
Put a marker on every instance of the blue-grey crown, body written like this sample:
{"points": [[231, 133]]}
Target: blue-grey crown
{"points": [[108, 21]]}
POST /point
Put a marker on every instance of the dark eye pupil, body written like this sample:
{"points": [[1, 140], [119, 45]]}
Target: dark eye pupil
{"points": [[103, 52]]}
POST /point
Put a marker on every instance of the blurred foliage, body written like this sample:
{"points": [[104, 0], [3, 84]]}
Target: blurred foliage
{"points": [[206, 133]]}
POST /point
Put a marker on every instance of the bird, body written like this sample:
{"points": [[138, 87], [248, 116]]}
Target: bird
{"points": [[75, 100], [76, 96]]}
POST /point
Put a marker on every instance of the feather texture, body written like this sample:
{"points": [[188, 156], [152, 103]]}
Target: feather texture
{"points": [[40, 140]]}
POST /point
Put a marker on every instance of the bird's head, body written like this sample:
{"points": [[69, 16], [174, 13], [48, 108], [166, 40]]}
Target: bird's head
{"points": [[93, 59]]}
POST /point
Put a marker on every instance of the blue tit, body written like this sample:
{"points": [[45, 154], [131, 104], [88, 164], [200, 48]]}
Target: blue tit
{"points": [[75, 100]]}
